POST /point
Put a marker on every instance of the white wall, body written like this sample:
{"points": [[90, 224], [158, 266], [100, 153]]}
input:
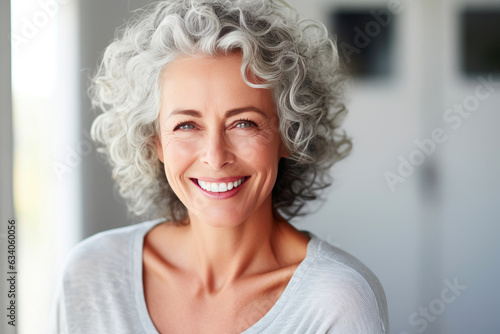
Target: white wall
{"points": [[427, 231]]}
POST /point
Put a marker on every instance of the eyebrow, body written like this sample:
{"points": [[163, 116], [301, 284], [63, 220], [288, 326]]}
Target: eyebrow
{"points": [[229, 113]]}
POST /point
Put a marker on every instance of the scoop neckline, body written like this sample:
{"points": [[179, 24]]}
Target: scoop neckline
{"points": [[261, 324]]}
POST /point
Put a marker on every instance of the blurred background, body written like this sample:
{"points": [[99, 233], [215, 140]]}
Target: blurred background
{"points": [[418, 200]]}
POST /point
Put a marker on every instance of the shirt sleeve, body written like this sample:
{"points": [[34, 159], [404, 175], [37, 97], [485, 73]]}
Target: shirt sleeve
{"points": [[358, 310], [351, 296]]}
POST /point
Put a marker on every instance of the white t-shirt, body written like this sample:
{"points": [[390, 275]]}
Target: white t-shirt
{"points": [[101, 291]]}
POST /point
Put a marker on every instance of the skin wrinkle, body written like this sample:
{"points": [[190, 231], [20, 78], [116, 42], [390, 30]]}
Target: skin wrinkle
{"points": [[231, 140]]}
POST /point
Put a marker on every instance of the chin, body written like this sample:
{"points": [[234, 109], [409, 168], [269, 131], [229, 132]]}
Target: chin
{"points": [[219, 217], [224, 213]]}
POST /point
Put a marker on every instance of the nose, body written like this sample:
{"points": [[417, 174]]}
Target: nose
{"points": [[217, 152]]}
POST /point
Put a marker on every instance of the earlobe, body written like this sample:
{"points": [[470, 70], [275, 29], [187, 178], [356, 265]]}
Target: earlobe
{"points": [[159, 148]]}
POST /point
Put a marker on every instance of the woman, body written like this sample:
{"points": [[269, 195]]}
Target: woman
{"points": [[223, 117]]}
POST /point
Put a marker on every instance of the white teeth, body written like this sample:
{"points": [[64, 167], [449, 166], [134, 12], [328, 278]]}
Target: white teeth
{"points": [[219, 187]]}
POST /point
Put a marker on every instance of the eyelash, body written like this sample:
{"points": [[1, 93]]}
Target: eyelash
{"points": [[243, 120]]}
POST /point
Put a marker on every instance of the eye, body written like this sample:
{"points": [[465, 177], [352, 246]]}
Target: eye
{"points": [[184, 126], [245, 124]]}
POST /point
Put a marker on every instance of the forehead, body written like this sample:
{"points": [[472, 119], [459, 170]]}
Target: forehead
{"points": [[202, 82]]}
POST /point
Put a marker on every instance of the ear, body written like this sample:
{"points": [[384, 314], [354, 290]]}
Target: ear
{"points": [[159, 147]]}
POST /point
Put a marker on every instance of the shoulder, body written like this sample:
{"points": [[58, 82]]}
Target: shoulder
{"points": [[95, 287], [341, 265], [347, 288], [106, 249]]}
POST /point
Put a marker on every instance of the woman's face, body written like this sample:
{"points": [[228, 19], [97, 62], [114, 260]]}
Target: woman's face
{"points": [[219, 139]]}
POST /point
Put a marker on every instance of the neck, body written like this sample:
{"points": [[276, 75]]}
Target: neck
{"points": [[221, 255]]}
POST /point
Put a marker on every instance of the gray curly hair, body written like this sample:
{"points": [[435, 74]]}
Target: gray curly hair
{"points": [[294, 56]]}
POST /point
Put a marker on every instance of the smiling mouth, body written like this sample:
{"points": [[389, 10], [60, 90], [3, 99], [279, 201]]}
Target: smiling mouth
{"points": [[220, 187]]}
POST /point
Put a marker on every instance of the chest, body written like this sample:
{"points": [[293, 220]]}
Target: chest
{"points": [[179, 307]]}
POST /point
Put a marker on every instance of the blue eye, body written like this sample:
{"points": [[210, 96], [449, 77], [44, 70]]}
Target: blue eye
{"points": [[184, 126], [245, 124]]}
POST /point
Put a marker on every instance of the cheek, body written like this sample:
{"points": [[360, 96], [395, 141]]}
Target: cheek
{"points": [[261, 149], [178, 155], [179, 148]]}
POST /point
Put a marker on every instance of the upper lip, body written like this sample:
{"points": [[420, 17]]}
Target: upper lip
{"points": [[221, 179]]}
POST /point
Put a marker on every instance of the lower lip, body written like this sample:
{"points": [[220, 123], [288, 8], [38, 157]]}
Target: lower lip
{"points": [[223, 195]]}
